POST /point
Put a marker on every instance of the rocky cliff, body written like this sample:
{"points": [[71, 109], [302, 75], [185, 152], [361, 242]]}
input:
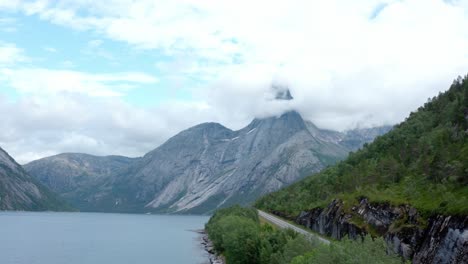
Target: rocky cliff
{"points": [[438, 239], [19, 191]]}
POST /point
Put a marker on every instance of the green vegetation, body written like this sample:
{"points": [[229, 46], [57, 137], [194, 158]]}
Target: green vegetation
{"points": [[423, 162], [349, 252], [237, 233]]}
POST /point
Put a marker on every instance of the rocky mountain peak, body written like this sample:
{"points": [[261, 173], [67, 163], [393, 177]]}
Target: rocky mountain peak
{"points": [[281, 92], [290, 120], [209, 127]]}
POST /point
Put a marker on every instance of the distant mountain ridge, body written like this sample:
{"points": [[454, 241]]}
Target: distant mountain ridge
{"points": [[20, 191], [202, 168], [67, 171]]}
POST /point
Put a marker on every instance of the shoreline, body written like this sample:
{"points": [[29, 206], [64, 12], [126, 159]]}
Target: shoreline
{"points": [[208, 247]]}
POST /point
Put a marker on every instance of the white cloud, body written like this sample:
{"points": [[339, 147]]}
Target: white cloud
{"points": [[331, 37], [345, 65], [38, 81], [10, 54], [321, 36], [38, 126], [8, 24]]}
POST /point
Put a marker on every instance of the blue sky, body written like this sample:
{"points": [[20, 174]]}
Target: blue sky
{"points": [[52, 46], [122, 76]]}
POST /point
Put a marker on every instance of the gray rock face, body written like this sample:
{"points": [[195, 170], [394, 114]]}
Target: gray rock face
{"points": [[331, 221], [19, 191], [444, 240]]}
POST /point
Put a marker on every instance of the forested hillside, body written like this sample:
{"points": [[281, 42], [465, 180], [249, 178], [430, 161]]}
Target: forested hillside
{"points": [[242, 238], [422, 162]]}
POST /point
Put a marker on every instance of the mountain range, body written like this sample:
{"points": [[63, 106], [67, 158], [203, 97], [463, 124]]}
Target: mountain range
{"points": [[202, 168]]}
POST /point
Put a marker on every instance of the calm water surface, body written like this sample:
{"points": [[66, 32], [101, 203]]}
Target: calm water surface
{"points": [[89, 238]]}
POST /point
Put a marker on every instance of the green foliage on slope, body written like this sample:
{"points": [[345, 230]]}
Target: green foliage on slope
{"points": [[237, 233], [423, 161], [349, 251]]}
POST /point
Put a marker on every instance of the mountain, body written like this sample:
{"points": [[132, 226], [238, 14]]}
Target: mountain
{"points": [[409, 186], [19, 191], [210, 166], [202, 168], [70, 173], [66, 172]]}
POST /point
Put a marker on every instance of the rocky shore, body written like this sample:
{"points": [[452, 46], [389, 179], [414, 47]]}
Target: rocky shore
{"points": [[208, 246]]}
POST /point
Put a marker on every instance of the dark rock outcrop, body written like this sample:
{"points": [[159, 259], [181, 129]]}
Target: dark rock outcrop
{"points": [[443, 240], [281, 92], [331, 221]]}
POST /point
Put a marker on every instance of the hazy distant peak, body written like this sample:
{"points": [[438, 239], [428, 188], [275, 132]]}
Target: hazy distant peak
{"points": [[209, 126], [288, 118], [281, 92]]}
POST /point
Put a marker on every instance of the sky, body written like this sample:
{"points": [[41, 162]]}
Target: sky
{"points": [[121, 77]]}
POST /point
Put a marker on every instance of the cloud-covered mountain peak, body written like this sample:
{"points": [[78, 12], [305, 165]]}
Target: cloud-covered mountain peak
{"points": [[281, 92]]}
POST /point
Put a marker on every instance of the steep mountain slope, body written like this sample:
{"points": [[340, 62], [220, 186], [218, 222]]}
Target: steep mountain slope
{"points": [[410, 186], [208, 166], [19, 191]]}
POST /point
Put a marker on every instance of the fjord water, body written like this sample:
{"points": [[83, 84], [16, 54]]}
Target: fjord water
{"points": [[92, 238]]}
